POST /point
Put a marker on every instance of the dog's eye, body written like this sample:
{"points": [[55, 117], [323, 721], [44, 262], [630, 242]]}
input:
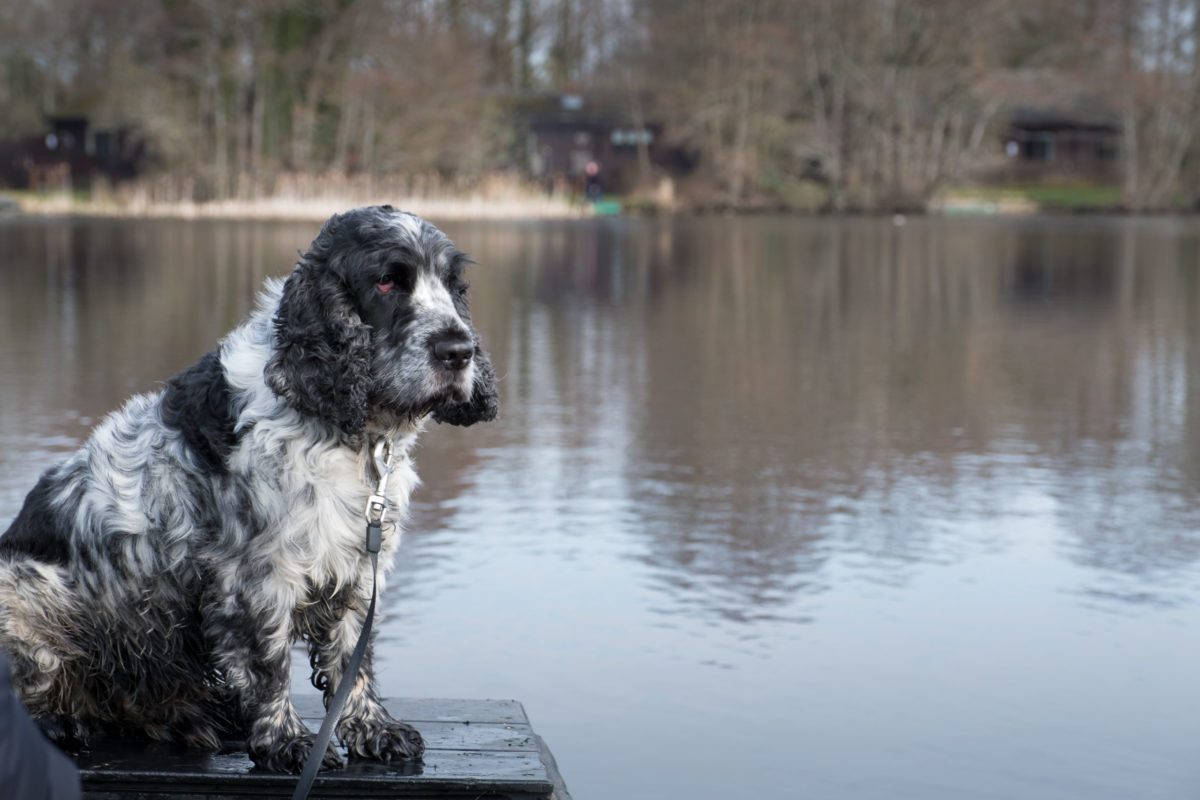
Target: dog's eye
{"points": [[396, 276]]}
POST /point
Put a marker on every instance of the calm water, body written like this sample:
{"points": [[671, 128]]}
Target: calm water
{"points": [[776, 508]]}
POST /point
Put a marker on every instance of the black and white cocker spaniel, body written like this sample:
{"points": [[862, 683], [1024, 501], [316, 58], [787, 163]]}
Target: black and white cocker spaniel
{"points": [[154, 582]]}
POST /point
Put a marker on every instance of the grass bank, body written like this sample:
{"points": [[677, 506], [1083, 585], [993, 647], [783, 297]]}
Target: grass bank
{"points": [[303, 199], [1070, 199]]}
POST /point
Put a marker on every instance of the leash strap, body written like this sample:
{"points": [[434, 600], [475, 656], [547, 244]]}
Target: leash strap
{"points": [[376, 506]]}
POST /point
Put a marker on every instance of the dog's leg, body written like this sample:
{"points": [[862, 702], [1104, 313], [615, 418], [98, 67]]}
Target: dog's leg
{"points": [[250, 633], [365, 727]]}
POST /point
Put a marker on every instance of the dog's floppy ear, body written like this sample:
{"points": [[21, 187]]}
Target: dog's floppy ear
{"points": [[485, 401], [322, 359]]}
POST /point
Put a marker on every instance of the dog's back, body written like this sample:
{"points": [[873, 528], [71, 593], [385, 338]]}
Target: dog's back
{"points": [[101, 582]]}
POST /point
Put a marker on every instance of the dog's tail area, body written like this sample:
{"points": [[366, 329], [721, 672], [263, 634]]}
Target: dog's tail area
{"points": [[38, 611], [87, 667]]}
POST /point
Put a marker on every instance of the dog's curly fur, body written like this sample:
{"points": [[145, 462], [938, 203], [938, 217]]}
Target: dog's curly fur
{"points": [[154, 582]]}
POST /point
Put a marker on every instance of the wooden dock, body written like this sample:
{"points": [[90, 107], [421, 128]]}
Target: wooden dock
{"points": [[474, 749]]}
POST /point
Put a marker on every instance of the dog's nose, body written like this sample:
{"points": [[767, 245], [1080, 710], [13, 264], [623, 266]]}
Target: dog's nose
{"points": [[453, 352]]}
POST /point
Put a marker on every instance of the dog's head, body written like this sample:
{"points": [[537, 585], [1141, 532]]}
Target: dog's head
{"points": [[374, 322]]}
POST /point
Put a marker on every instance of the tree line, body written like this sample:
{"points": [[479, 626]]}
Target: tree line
{"points": [[837, 104]]}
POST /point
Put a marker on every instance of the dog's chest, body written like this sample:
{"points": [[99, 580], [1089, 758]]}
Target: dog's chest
{"points": [[323, 527]]}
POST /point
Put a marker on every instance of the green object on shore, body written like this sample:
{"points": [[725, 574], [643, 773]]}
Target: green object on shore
{"points": [[606, 208]]}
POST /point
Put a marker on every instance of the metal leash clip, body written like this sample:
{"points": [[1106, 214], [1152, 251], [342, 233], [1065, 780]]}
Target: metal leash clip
{"points": [[377, 502]]}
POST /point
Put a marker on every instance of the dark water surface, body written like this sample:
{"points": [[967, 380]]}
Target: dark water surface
{"points": [[776, 507]]}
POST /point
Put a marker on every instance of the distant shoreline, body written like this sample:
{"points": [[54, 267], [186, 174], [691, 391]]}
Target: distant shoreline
{"points": [[512, 205], [283, 209]]}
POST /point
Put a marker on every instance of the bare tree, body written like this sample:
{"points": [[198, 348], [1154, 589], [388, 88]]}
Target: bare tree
{"points": [[1160, 83], [853, 104]]}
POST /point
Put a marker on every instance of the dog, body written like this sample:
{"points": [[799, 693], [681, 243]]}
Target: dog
{"points": [[154, 582]]}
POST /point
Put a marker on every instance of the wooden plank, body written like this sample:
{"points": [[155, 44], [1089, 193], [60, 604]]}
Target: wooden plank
{"points": [[473, 748], [424, 709], [457, 774]]}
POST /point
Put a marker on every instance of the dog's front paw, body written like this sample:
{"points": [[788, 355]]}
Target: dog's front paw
{"points": [[290, 755], [387, 741], [68, 733]]}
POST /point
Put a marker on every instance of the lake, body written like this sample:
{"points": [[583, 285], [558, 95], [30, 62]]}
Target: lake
{"points": [[803, 508]]}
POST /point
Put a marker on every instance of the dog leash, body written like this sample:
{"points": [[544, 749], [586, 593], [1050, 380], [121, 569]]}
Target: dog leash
{"points": [[376, 508]]}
